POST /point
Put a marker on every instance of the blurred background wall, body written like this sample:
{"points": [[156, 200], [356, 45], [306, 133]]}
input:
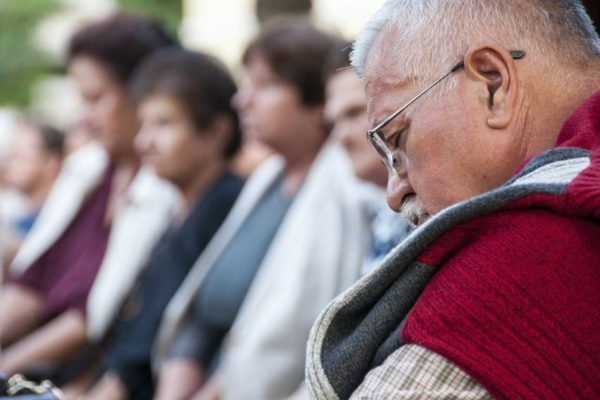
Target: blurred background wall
{"points": [[34, 35]]}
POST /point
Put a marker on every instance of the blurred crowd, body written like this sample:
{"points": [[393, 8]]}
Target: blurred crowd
{"points": [[181, 241]]}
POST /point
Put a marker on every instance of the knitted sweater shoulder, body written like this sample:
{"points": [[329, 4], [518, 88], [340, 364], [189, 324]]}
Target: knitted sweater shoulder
{"points": [[515, 303], [516, 296]]}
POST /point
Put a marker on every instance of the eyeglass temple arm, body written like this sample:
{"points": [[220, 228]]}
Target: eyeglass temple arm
{"points": [[515, 54], [395, 114]]}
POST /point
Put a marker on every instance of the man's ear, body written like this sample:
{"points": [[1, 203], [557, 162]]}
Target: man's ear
{"points": [[493, 67]]}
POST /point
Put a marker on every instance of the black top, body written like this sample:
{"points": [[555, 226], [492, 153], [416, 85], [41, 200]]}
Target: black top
{"points": [[132, 336], [223, 290]]}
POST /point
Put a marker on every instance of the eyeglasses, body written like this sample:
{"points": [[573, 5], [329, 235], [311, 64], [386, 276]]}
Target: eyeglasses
{"points": [[378, 140]]}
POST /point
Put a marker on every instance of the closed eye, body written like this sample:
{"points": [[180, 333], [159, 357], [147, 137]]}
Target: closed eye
{"points": [[393, 140]]}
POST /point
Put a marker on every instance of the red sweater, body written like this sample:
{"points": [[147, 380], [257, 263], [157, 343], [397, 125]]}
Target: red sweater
{"points": [[516, 300]]}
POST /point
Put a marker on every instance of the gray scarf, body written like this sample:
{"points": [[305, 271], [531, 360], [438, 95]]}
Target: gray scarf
{"points": [[361, 327]]}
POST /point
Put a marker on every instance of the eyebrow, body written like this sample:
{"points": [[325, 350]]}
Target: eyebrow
{"points": [[395, 82], [401, 83], [375, 123], [401, 118], [387, 83]]}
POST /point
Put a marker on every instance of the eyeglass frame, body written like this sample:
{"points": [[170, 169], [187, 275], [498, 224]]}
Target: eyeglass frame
{"points": [[375, 136]]}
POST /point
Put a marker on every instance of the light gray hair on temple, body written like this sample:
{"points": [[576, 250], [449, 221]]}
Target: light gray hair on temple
{"points": [[431, 35]]}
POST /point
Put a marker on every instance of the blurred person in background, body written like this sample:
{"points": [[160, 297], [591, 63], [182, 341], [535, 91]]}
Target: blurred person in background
{"points": [[189, 134], [237, 328], [34, 161], [76, 138], [101, 218], [251, 155], [346, 116]]}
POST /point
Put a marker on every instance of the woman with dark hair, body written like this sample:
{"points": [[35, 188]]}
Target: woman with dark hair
{"points": [[102, 216], [188, 135], [237, 328]]}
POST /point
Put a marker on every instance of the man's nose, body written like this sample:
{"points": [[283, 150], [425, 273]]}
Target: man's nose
{"points": [[397, 186], [394, 192]]}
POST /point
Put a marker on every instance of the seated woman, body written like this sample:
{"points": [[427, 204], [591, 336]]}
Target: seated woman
{"points": [[294, 239], [34, 162], [102, 215], [189, 134]]}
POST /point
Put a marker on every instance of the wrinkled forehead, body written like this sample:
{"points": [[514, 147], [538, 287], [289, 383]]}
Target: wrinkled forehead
{"points": [[381, 56], [384, 64], [385, 77]]}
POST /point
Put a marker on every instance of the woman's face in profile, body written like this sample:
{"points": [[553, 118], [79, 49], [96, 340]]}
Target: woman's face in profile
{"points": [[30, 164], [170, 143], [108, 114], [270, 109]]}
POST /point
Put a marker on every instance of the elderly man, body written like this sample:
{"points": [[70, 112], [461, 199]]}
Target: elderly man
{"points": [[490, 131], [346, 114]]}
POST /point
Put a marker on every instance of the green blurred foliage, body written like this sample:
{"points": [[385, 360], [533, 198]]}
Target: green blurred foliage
{"points": [[168, 12], [20, 62]]}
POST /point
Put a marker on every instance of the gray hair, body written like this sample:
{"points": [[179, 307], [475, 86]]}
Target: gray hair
{"points": [[434, 34]]}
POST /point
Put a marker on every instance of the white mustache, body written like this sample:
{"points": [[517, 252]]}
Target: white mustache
{"points": [[411, 211]]}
